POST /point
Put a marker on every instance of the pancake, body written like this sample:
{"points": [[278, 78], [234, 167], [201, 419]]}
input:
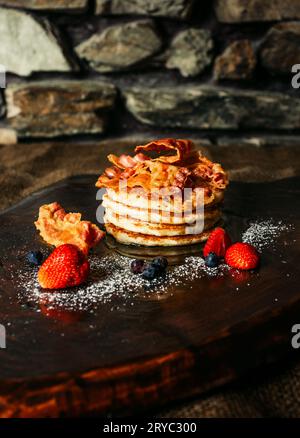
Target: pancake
{"points": [[159, 216], [131, 238], [138, 197], [157, 229], [170, 200]]}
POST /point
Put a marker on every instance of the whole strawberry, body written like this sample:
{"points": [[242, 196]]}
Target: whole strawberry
{"points": [[218, 242], [242, 256], [65, 267]]}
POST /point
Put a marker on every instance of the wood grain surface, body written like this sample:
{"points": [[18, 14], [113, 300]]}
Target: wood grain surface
{"points": [[160, 349]]}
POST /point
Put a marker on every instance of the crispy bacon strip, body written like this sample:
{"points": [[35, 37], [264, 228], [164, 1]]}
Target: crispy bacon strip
{"points": [[205, 170], [126, 161], [113, 172], [57, 227], [181, 148], [187, 168]]}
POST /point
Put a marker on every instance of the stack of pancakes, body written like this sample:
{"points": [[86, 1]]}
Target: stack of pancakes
{"points": [[173, 199]]}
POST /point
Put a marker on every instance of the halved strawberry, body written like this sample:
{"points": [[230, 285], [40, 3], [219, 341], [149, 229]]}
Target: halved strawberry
{"points": [[218, 242], [67, 266], [242, 256]]}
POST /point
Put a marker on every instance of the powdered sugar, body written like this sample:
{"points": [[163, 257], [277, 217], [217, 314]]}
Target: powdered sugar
{"points": [[112, 282], [262, 234]]}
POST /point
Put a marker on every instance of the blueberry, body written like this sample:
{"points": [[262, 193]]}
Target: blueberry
{"points": [[150, 272], [137, 266], [212, 260], [35, 257], [160, 262]]}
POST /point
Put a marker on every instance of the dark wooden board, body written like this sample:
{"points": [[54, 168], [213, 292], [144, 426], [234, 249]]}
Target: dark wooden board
{"points": [[162, 348]]}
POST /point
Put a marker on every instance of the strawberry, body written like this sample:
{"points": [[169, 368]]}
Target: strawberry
{"points": [[242, 256], [218, 242], [65, 267]]}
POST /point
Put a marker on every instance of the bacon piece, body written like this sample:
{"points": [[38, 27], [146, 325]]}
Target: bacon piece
{"points": [[126, 161], [205, 170], [112, 172], [112, 179], [219, 180], [181, 148], [187, 168], [109, 175], [181, 177], [140, 157], [57, 227], [104, 181]]}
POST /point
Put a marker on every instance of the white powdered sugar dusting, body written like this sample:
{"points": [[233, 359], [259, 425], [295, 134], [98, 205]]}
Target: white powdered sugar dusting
{"points": [[112, 282], [262, 234]]}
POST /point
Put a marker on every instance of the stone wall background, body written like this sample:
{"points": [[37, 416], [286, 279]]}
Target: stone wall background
{"points": [[104, 68]]}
